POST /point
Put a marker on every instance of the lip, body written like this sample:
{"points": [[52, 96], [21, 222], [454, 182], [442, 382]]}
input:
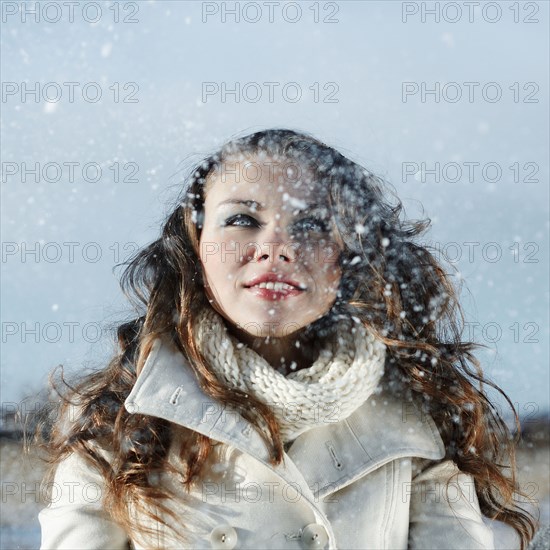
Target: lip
{"points": [[275, 278], [274, 295], [270, 294]]}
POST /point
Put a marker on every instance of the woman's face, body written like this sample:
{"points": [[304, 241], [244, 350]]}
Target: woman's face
{"points": [[266, 219]]}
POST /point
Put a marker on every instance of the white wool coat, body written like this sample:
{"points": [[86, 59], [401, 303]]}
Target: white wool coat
{"points": [[374, 480]]}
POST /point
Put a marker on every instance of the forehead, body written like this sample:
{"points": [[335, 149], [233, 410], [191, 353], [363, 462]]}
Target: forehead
{"points": [[271, 182]]}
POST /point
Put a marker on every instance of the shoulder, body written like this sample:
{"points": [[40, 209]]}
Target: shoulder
{"points": [[387, 423], [445, 511]]}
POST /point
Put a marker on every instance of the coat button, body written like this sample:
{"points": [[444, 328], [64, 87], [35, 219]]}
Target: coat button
{"points": [[223, 536], [314, 535]]}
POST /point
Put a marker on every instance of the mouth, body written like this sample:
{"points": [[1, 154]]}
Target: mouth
{"points": [[277, 286], [275, 290]]}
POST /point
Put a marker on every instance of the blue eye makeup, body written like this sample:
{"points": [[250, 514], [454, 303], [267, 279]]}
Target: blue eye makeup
{"points": [[302, 226], [311, 224], [241, 220]]}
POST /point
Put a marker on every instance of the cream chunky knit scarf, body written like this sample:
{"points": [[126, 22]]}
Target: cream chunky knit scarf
{"points": [[342, 378]]}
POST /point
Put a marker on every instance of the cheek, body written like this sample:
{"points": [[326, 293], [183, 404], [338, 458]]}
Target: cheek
{"points": [[209, 258], [209, 263], [335, 277], [327, 259], [328, 277], [204, 240], [219, 268], [320, 253]]}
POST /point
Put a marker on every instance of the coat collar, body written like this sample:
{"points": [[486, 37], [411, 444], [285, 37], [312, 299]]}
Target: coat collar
{"points": [[329, 457]]}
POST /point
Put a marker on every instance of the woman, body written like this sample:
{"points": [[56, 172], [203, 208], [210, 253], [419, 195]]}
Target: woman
{"points": [[296, 378]]}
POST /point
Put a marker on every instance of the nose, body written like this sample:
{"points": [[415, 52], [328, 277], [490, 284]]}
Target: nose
{"points": [[275, 247], [273, 252]]}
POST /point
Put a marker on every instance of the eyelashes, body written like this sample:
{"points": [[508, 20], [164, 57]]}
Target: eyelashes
{"points": [[312, 225], [304, 225], [241, 220]]}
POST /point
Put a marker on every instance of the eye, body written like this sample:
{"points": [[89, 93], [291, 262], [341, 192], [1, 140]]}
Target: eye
{"points": [[312, 225], [241, 220]]}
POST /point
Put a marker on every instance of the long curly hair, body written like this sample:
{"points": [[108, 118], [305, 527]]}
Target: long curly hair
{"points": [[393, 284]]}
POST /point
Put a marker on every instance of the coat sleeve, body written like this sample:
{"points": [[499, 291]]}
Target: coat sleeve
{"points": [[444, 511], [75, 518]]}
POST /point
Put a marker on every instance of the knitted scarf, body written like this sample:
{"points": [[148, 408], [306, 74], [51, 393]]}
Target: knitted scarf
{"points": [[342, 378]]}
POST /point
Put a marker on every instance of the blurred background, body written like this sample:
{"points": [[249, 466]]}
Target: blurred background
{"points": [[103, 103]]}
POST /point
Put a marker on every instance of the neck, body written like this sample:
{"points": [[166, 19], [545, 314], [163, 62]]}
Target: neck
{"points": [[285, 354]]}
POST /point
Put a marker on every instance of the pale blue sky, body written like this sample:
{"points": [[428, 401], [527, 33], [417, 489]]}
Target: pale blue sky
{"points": [[367, 55]]}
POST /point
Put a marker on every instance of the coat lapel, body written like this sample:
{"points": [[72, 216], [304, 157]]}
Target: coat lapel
{"points": [[167, 388], [381, 430], [328, 457]]}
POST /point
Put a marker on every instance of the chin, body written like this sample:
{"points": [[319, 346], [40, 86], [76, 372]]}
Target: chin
{"points": [[272, 327]]}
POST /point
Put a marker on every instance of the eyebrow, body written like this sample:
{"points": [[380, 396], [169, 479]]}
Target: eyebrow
{"points": [[259, 206], [248, 203]]}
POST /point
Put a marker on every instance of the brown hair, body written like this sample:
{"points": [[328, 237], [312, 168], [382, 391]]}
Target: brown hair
{"points": [[393, 284]]}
